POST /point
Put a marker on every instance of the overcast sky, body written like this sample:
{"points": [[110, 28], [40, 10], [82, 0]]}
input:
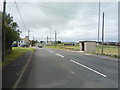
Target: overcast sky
{"points": [[73, 21]]}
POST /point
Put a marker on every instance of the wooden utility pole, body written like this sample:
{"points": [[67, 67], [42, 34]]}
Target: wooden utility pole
{"points": [[55, 38], [3, 30], [28, 34], [98, 27], [102, 33], [33, 38], [47, 39], [50, 33]]}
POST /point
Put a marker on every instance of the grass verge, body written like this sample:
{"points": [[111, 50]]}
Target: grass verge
{"points": [[15, 54], [109, 50], [63, 48]]}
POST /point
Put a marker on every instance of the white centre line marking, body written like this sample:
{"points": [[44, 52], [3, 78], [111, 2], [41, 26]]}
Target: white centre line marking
{"points": [[60, 55], [51, 51], [89, 68]]}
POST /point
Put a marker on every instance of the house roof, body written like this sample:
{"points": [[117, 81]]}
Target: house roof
{"points": [[87, 41]]}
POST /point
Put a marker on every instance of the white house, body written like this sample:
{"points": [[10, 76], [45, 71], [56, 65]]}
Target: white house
{"points": [[24, 41]]}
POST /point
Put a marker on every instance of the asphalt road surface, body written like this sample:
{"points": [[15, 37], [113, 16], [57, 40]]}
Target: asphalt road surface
{"points": [[52, 68]]}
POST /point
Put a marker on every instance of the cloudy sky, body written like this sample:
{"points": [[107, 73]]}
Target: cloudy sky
{"points": [[73, 21]]}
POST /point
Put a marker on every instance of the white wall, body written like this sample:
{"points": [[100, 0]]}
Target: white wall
{"points": [[90, 47]]}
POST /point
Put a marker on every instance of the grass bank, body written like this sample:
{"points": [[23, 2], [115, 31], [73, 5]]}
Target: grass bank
{"points": [[15, 54]]}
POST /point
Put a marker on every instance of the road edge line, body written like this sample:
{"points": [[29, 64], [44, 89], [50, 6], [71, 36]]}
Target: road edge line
{"points": [[22, 72]]}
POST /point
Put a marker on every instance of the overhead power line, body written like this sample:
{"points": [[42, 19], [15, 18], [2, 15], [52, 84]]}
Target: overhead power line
{"points": [[58, 9], [54, 9], [20, 14]]}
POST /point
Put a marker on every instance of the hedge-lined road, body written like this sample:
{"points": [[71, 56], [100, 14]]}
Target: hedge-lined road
{"points": [[52, 68]]}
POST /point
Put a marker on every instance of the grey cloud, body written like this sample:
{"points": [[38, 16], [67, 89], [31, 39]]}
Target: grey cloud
{"points": [[73, 21]]}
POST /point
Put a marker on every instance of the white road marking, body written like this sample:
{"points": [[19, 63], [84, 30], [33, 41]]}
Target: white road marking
{"points": [[89, 68], [60, 55], [51, 51], [72, 72]]}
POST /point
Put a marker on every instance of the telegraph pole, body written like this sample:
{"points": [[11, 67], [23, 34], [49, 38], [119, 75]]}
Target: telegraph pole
{"points": [[55, 38], [98, 25], [102, 33], [28, 34], [33, 38], [3, 30], [50, 34], [47, 39]]}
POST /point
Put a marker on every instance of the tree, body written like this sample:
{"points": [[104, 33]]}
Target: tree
{"points": [[11, 33], [34, 42], [58, 42]]}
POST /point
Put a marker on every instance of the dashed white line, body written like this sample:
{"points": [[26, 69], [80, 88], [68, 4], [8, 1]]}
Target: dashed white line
{"points": [[51, 51], [60, 55], [89, 68]]}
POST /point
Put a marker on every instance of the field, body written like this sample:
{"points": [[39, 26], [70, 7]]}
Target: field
{"points": [[109, 50], [73, 48]]}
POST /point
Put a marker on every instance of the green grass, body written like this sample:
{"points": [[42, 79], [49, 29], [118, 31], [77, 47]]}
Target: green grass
{"points": [[15, 54], [109, 50], [63, 47], [60, 46]]}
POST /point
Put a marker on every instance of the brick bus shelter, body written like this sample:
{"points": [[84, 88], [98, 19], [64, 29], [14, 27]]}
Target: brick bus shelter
{"points": [[88, 46]]}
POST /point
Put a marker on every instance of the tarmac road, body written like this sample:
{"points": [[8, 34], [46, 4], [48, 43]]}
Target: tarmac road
{"points": [[52, 68]]}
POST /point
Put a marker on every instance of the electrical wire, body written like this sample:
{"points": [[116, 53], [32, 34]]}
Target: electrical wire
{"points": [[20, 14]]}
